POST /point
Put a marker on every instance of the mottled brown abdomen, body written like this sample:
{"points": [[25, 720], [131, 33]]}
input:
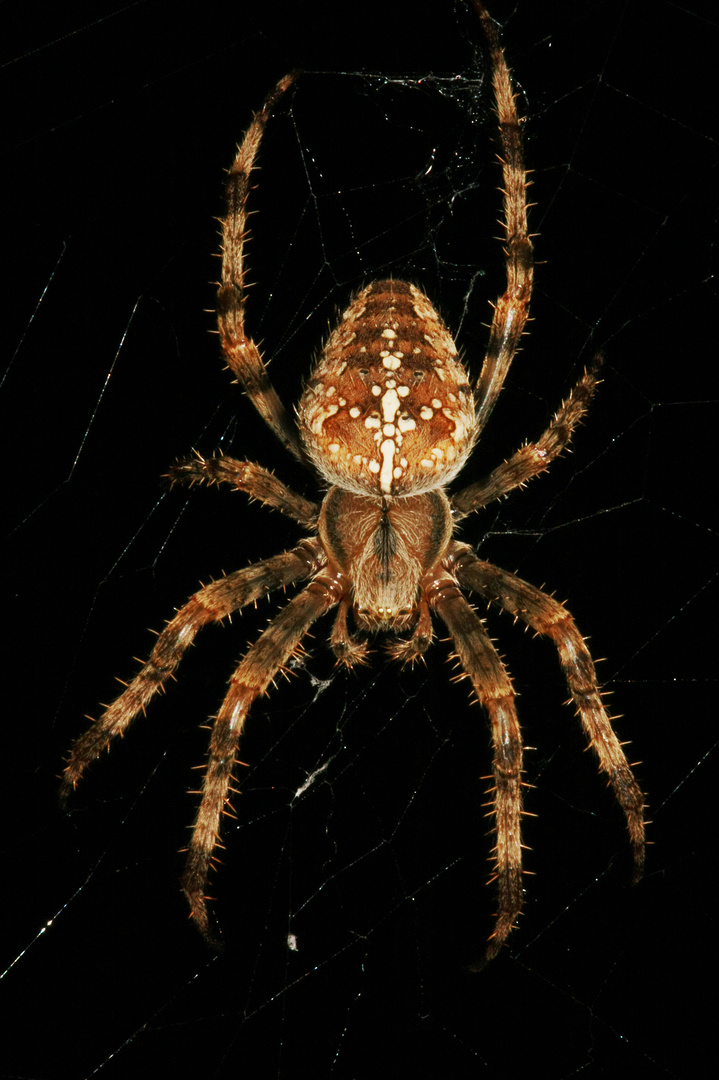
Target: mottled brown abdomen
{"points": [[388, 409]]}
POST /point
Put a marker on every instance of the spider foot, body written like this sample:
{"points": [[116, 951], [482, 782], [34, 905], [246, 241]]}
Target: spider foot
{"points": [[349, 651], [511, 897], [638, 853], [67, 786], [210, 470], [199, 913], [495, 943], [210, 935], [410, 650]]}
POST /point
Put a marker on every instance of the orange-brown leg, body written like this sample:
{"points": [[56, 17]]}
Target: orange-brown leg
{"points": [[211, 604], [533, 458], [266, 657], [480, 662], [245, 476], [512, 308], [550, 618], [241, 352]]}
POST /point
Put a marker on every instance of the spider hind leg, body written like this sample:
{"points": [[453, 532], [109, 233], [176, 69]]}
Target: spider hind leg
{"points": [[551, 619], [266, 657], [480, 661]]}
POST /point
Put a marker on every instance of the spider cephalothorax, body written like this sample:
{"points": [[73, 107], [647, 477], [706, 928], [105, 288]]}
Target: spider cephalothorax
{"points": [[388, 418]]}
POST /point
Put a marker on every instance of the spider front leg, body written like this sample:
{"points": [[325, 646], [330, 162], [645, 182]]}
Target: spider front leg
{"points": [[480, 662], [257, 482], [511, 310], [266, 657], [210, 604], [241, 352], [550, 618]]}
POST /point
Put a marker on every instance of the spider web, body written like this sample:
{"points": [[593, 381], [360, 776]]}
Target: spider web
{"points": [[352, 895]]}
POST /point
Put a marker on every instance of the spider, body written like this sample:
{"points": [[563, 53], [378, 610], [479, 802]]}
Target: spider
{"points": [[387, 418]]}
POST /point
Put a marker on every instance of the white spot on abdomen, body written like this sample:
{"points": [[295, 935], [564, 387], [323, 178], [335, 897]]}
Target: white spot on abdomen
{"points": [[385, 477], [390, 405]]}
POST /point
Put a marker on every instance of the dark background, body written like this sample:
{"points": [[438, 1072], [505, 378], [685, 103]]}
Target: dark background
{"points": [[119, 122]]}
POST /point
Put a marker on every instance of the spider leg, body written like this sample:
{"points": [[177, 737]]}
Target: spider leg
{"points": [[409, 650], [481, 663], [348, 649], [241, 352], [259, 484], [210, 604], [550, 618], [534, 458], [512, 308], [256, 671]]}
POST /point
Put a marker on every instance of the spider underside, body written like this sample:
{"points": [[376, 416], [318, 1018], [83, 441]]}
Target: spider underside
{"points": [[388, 418]]}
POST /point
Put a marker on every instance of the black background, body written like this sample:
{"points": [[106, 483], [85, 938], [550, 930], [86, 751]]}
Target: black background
{"points": [[119, 122]]}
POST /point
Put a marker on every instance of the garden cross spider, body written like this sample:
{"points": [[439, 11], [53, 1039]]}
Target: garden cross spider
{"points": [[388, 418]]}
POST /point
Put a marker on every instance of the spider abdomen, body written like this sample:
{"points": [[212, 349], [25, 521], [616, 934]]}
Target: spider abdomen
{"points": [[388, 409]]}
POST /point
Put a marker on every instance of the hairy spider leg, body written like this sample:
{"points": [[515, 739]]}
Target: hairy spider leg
{"points": [[551, 619], [511, 310], [532, 459], [252, 678], [241, 352], [210, 604], [480, 662]]}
